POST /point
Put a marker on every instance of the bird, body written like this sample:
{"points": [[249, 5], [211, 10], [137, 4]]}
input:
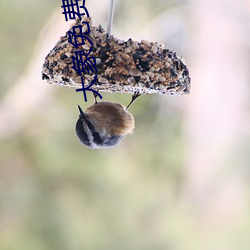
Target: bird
{"points": [[104, 124]]}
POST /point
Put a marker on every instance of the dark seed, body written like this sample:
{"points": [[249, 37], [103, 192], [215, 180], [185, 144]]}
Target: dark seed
{"points": [[44, 76], [63, 56], [65, 79]]}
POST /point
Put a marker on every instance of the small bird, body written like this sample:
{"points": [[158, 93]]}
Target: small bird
{"points": [[104, 124]]}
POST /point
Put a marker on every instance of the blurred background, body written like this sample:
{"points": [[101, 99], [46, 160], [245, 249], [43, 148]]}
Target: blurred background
{"points": [[180, 182]]}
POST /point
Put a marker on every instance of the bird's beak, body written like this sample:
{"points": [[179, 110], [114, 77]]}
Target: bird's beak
{"points": [[82, 115]]}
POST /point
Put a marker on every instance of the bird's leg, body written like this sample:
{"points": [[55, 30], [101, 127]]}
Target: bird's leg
{"points": [[134, 97], [95, 96]]}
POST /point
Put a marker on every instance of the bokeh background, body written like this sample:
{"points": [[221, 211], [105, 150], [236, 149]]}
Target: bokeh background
{"points": [[180, 182]]}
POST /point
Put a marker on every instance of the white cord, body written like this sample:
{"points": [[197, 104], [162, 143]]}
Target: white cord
{"points": [[110, 15]]}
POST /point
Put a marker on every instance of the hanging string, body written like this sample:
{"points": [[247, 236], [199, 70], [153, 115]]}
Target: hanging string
{"points": [[110, 15]]}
